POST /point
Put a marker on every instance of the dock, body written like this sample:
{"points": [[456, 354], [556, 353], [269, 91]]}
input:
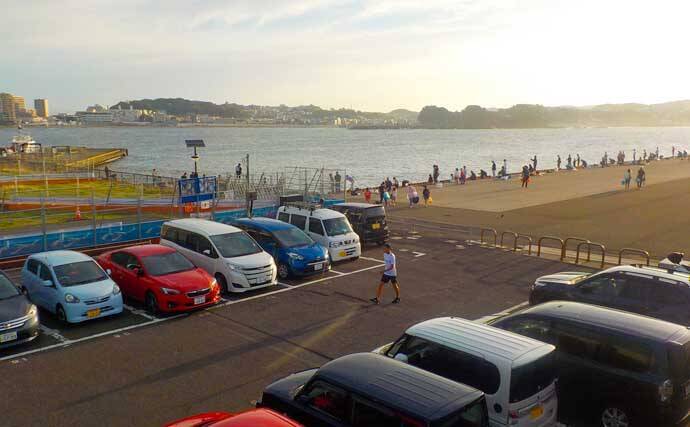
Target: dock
{"points": [[57, 159]]}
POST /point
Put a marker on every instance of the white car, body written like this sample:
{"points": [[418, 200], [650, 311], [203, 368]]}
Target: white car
{"points": [[229, 254], [327, 227]]}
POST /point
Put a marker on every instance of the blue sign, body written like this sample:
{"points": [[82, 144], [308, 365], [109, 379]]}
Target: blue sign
{"points": [[197, 189]]}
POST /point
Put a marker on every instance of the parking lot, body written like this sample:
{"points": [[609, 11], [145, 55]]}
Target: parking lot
{"points": [[135, 369]]}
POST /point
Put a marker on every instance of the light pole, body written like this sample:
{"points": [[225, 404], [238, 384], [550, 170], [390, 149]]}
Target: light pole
{"points": [[194, 143]]}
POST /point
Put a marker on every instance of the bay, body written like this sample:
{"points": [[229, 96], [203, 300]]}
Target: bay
{"points": [[368, 155]]}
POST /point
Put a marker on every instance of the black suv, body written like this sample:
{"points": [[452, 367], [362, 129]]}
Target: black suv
{"points": [[370, 390], [367, 220], [619, 368], [654, 292]]}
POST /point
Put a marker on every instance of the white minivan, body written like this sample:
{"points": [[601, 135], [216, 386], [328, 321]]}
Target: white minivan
{"points": [[229, 254], [516, 373], [327, 227]]}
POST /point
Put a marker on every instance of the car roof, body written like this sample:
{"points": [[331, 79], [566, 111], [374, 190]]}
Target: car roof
{"points": [[358, 205], [264, 223], [479, 339], [612, 319], [203, 226], [147, 250], [320, 213], [651, 271], [259, 417], [398, 385], [60, 257]]}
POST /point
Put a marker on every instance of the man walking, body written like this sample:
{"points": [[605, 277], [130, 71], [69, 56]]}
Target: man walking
{"points": [[390, 274]]}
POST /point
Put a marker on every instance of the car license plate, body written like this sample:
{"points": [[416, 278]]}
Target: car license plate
{"points": [[93, 313], [342, 253], [318, 266], [10, 336], [199, 300], [536, 412], [375, 226]]}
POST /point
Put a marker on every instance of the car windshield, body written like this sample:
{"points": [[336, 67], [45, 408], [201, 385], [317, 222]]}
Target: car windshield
{"points": [[530, 379], [337, 226], [162, 264], [293, 237], [374, 212], [79, 273], [7, 289], [235, 244]]}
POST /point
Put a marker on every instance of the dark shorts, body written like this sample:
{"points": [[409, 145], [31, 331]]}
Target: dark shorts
{"points": [[386, 278]]}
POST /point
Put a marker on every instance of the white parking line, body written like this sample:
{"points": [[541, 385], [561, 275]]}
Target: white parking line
{"points": [[371, 259], [138, 312], [90, 337], [339, 273], [279, 283], [52, 333]]}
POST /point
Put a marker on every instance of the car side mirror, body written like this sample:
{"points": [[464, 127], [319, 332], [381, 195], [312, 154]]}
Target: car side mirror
{"points": [[48, 283], [401, 357], [206, 252], [140, 272], [109, 272]]}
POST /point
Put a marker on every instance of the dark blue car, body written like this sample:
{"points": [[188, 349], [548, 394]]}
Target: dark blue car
{"points": [[294, 251]]}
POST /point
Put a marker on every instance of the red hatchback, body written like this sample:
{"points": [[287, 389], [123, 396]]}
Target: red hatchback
{"points": [[254, 418], [161, 278]]}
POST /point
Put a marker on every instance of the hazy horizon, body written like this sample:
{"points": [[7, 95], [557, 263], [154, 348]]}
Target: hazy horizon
{"points": [[368, 55]]}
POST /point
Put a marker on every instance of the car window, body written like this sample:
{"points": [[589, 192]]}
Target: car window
{"points": [[32, 266], [633, 287], [450, 363], [120, 258], [577, 341], [292, 238], [531, 378], [169, 263], [44, 273], [7, 288], [315, 226], [530, 327], [366, 414], [603, 285], [169, 233], [79, 273], [627, 354], [282, 216], [337, 226], [667, 294], [329, 400], [298, 221], [182, 238], [203, 244], [131, 261], [235, 244]]}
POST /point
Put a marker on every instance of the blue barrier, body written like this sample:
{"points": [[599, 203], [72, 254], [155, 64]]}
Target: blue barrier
{"points": [[109, 234]]}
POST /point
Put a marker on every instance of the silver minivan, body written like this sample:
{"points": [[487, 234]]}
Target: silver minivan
{"points": [[516, 373]]}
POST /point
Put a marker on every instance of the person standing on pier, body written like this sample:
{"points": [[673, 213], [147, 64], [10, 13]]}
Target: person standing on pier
{"points": [[641, 177], [338, 178], [390, 274], [634, 156], [437, 173], [627, 177], [382, 189], [525, 176], [505, 168], [238, 171], [534, 162], [426, 193], [570, 162], [558, 162], [577, 161], [493, 169]]}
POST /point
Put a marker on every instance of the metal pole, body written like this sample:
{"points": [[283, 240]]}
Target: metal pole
{"points": [[139, 216], [93, 218], [43, 225]]}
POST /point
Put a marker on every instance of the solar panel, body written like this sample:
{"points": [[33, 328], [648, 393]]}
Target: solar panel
{"points": [[195, 143]]}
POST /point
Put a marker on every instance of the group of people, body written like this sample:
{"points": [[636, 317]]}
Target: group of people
{"points": [[388, 193], [575, 163], [639, 180]]}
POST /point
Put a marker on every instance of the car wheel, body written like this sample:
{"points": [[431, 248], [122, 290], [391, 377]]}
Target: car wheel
{"points": [[223, 283], [61, 315], [283, 271], [151, 303], [614, 416]]}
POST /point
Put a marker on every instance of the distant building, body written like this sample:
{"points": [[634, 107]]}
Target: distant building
{"points": [[7, 107], [124, 116], [95, 109], [41, 106], [19, 104], [95, 117]]}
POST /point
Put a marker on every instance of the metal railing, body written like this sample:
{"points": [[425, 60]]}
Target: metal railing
{"points": [[529, 241], [589, 245], [551, 238], [515, 237], [573, 239], [489, 230], [633, 251]]}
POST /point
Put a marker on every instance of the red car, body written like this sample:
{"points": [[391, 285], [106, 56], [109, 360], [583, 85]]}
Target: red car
{"points": [[160, 277], [254, 418]]}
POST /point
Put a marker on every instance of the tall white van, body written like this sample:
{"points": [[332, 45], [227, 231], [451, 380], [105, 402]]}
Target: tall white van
{"points": [[229, 254], [327, 227], [516, 373]]}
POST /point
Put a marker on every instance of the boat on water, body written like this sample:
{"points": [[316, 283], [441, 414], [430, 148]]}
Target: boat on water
{"points": [[23, 143]]}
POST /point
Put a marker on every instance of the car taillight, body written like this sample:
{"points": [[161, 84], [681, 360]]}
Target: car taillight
{"points": [[666, 391]]}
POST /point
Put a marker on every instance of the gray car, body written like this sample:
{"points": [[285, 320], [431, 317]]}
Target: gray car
{"points": [[18, 316]]}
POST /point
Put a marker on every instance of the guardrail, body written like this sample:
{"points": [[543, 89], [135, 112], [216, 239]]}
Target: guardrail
{"points": [[529, 240], [515, 237], [552, 238], [632, 251], [490, 230], [589, 245], [573, 239]]}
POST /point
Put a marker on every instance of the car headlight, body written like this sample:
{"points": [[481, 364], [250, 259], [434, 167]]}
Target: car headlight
{"points": [[214, 284], [168, 291], [33, 311], [333, 244], [69, 298], [295, 256], [116, 289], [231, 267]]}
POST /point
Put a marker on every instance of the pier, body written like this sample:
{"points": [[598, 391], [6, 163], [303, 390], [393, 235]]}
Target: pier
{"points": [[59, 159]]}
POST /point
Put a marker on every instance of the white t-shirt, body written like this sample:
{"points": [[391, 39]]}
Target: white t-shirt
{"points": [[389, 260]]}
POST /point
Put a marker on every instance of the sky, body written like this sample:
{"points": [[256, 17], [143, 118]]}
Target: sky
{"points": [[368, 55]]}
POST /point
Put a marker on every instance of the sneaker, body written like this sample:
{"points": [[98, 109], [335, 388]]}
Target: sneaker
{"points": [[374, 300], [395, 301]]}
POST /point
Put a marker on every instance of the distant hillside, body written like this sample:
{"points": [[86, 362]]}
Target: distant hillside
{"points": [[675, 113], [181, 107]]}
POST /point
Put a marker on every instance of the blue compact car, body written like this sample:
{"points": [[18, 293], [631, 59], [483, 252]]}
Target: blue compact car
{"points": [[295, 253], [71, 285]]}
